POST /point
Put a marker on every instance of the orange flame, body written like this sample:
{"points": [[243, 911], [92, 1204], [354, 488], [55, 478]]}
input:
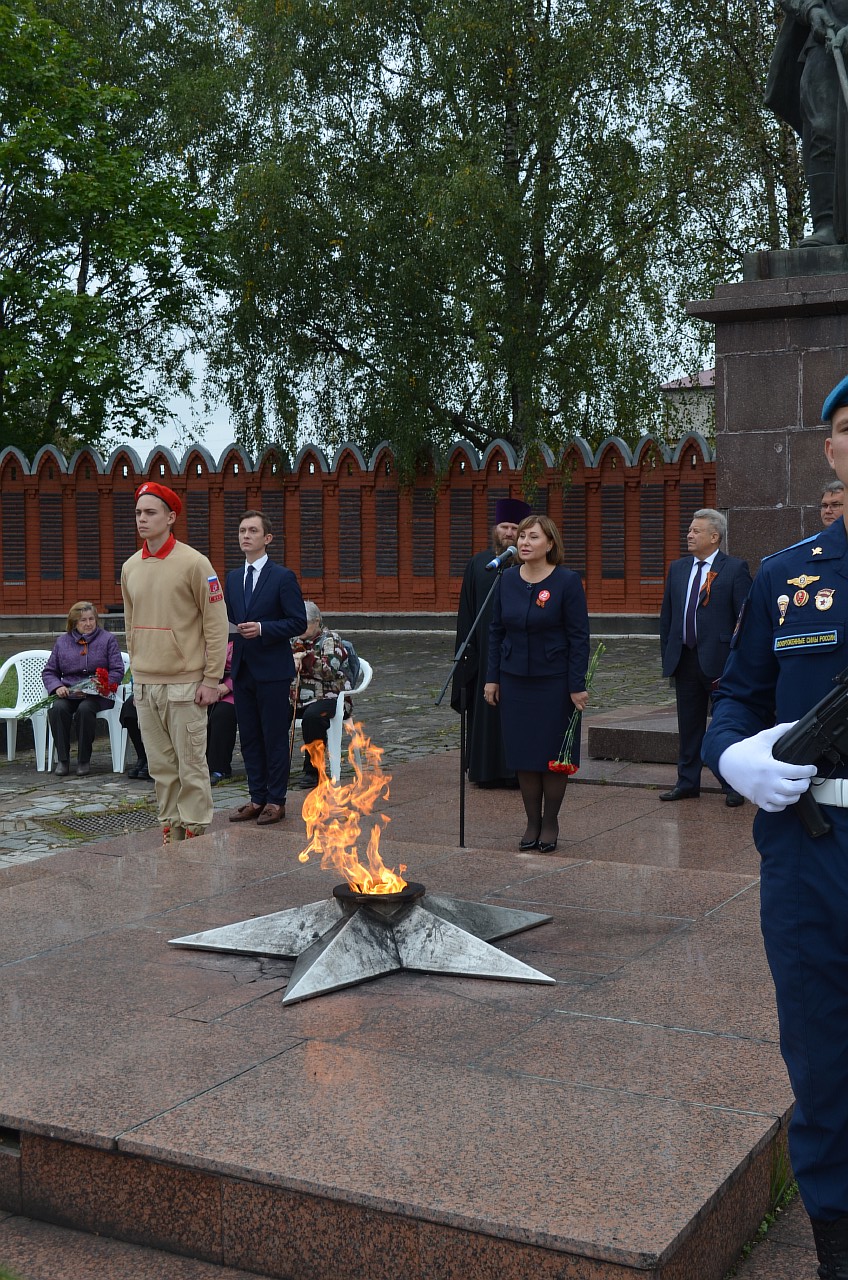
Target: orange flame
{"points": [[333, 817]]}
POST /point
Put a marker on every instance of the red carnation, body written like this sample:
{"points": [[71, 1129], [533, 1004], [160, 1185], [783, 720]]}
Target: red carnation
{"points": [[563, 764]]}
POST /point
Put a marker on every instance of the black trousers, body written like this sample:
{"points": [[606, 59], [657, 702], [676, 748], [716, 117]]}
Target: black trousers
{"points": [[316, 721], [693, 690], [221, 738], [129, 721], [66, 714], [263, 712]]}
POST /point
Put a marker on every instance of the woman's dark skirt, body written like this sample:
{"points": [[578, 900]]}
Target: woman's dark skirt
{"points": [[535, 711]]}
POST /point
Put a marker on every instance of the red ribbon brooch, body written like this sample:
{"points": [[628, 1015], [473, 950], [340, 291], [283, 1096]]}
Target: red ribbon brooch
{"points": [[542, 598]]}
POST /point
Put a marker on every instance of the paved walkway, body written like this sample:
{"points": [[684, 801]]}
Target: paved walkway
{"points": [[40, 813]]}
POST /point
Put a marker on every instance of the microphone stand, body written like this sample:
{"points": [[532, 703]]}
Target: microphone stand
{"points": [[463, 697]]}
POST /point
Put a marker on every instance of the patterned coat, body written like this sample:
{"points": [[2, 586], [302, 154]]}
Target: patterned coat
{"points": [[324, 670]]}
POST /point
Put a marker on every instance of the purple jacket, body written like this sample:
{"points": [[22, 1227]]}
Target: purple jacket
{"points": [[72, 661]]}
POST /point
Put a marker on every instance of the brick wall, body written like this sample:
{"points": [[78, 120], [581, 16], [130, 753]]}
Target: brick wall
{"points": [[358, 541]]}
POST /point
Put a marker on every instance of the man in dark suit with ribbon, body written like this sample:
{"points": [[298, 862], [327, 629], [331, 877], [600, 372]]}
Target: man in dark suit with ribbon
{"points": [[704, 592], [266, 611]]}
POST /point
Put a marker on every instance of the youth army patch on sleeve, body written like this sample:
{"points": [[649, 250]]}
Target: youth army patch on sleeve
{"points": [[215, 592]]}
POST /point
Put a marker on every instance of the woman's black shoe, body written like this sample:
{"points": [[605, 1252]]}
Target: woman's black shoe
{"points": [[524, 845], [548, 848]]}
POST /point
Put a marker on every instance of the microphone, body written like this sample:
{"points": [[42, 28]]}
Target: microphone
{"points": [[500, 561]]}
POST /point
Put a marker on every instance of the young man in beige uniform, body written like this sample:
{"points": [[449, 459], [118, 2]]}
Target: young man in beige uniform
{"points": [[177, 633]]}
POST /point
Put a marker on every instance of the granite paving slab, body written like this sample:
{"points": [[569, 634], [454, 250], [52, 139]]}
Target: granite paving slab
{"points": [[41, 1251], [712, 976], [655, 1061], [643, 889], [786, 1253]]}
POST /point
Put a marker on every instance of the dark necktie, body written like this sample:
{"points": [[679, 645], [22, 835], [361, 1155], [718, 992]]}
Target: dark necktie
{"points": [[248, 587], [689, 637]]}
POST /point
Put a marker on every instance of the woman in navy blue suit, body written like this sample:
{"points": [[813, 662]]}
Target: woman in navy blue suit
{"points": [[538, 655]]}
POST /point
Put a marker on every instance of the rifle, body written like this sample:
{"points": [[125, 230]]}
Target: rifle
{"points": [[294, 714], [840, 64], [820, 735]]}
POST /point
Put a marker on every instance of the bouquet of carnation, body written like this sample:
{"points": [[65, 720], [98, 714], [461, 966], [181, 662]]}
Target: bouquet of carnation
{"points": [[563, 763], [99, 684]]}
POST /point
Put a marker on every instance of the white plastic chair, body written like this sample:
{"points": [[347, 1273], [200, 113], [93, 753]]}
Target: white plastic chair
{"points": [[117, 732], [28, 665], [334, 732]]}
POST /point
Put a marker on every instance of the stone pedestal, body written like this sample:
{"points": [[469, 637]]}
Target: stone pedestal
{"points": [[781, 345]]}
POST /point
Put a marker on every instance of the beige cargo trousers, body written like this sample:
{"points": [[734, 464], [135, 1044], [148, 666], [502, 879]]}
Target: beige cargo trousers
{"points": [[173, 727]]}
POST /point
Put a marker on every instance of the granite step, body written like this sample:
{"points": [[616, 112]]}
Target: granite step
{"points": [[637, 734]]}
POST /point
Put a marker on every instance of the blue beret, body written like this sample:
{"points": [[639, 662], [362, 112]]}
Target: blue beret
{"points": [[837, 398]]}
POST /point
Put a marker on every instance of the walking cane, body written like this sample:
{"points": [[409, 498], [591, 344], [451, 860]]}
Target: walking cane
{"points": [[294, 715]]}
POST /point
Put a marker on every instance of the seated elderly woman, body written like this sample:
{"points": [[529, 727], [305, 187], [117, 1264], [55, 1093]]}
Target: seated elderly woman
{"points": [[321, 661], [76, 656]]}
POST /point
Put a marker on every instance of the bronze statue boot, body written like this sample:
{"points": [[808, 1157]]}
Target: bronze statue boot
{"points": [[821, 208], [832, 1248]]}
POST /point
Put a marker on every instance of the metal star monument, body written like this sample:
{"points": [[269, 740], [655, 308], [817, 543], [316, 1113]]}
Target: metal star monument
{"points": [[353, 937]]}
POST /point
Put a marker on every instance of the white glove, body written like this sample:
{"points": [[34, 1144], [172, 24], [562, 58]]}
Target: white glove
{"points": [[750, 768]]}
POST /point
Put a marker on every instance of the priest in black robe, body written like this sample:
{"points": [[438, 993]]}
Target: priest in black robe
{"points": [[485, 753]]}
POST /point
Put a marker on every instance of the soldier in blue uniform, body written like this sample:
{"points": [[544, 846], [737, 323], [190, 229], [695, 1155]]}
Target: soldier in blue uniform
{"points": [[790, 643]]}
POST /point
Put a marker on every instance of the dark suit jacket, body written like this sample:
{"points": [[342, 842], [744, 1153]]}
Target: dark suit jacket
{"points": [[547, 637], [715, 619], [276, 603]]}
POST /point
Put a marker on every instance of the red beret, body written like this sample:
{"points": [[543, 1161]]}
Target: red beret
{"points": [[160, 491]]}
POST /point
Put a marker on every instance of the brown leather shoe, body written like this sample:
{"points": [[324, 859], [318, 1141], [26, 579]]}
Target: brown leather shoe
{"points": [[271, 813], [247, 812]]}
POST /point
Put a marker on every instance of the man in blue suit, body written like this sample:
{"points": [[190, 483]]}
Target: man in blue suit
{"points": [[704, 592], [266, 610]]}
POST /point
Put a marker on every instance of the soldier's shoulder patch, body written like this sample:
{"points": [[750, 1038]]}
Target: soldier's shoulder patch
{"points": [[740, 623]]}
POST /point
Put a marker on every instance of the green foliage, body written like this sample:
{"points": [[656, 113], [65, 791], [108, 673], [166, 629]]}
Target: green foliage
{"points": [[99, 248], [748, 191], [375, 218], [481, 221]]}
